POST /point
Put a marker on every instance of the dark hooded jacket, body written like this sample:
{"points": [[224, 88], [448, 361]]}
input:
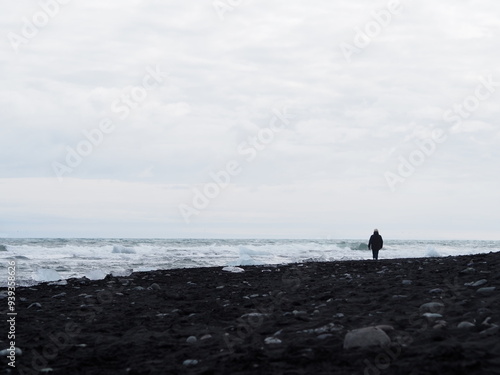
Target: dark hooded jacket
{"points": [[376, 242]]}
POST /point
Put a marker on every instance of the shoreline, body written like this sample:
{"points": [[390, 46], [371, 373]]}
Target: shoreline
{"points": [[290, 318], [368, 259]]}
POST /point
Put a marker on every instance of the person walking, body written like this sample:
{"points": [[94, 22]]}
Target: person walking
{"points": [[375, 244]]}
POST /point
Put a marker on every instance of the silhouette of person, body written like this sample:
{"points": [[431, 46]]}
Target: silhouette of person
{"points": [[375, 244]]}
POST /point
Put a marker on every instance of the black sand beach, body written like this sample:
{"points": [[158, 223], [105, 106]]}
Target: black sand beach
{"points": [[267, 320]]}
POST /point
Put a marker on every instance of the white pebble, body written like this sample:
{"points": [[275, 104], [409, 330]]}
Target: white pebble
{"points": [[490, 331], [272, 340], [432, 316], [190, 362], [154, 286], [465, 325], [480, 282], [486, 291], [432, 307], [8, 352]]}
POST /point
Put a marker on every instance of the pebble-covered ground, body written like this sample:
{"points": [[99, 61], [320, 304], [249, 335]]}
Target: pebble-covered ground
{"points": [[435, 316]]}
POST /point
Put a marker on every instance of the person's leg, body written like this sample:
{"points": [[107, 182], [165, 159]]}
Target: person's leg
{"points": [[375, 254]]}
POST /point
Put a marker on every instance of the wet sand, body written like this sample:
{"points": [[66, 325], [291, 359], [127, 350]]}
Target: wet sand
{"points": [[289, 319]]}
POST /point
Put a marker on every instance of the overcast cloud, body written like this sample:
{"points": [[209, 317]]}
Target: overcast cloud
{"points": [[318, 119]]}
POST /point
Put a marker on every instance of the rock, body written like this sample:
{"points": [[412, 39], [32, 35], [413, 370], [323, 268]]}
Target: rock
{"points": [[440, 324], [6, 352], [493, 330], [465, 325], [35, 304], [233, 269], [483, 311], [436, 291], [324, 336], [301, 315], [432, 307], [59, 295], [254, 315], [431, 317], [486, 322], [190, 362], [486, 291], [154, 286], [476, 283], [366, 337], [385, 327], [272, 340], [191, 339], [330, 327], [206, 337], [406, 282], [468, 270], [480, 282], [399, 296]]}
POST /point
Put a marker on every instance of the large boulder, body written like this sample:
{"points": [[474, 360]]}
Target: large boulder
{"points": [[366, 337]]}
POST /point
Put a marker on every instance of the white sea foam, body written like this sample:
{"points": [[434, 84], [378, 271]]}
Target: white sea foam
{"points": [[96, 257], [123, 250]]}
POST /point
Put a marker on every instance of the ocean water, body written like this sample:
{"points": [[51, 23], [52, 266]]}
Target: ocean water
{"points": [[38, 260]]}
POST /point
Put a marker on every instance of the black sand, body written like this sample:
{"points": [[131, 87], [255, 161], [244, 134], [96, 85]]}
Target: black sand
{"points": [[141, 324]]}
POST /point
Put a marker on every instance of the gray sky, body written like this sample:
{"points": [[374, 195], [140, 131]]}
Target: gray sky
{"points": [[250, 118]]}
